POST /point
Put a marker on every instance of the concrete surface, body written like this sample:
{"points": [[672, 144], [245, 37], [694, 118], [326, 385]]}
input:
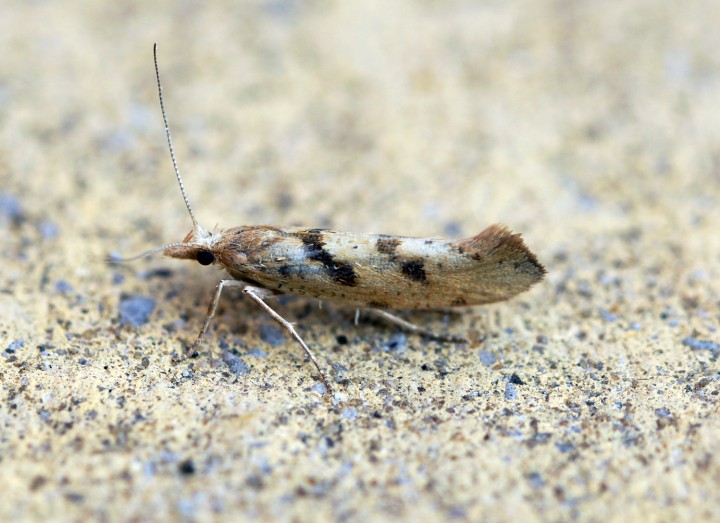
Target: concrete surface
{"points": [[591, 127]]}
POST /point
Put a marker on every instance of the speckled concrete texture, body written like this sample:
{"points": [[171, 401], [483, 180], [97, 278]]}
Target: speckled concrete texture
{"points": [[591, 127]]}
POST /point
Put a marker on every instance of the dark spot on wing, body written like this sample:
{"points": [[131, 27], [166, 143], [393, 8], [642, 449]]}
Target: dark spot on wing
{"points": [[377, 305], [414, 270], [387, 245], [314, 244], [312, 239], [343, 273], [458, 302]]}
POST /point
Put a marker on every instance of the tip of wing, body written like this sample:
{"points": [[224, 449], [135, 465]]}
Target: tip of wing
{"points": [[499, 243]]}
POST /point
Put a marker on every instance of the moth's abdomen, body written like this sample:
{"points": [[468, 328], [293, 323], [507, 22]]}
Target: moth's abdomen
{"points": [[370, 270]]}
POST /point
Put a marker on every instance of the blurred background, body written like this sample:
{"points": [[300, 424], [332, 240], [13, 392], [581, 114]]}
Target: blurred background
{"points": [[590, 127]]}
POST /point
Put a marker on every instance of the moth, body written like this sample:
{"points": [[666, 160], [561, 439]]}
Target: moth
{"points": [[376, 272]]}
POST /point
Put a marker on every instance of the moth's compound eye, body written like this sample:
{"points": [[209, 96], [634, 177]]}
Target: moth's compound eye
{"points": [[205, 257]]}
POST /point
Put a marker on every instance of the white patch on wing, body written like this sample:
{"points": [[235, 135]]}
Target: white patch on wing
{"points": [[419, 247]]}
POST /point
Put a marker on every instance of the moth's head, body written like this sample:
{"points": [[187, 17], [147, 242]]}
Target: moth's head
{"points": [[199, 244]]}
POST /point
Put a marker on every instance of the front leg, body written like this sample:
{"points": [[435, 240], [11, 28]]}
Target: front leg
{"points": [[257, 294], [212, 308]]}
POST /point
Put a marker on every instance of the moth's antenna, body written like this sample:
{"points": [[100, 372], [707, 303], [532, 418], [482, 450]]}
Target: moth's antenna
{"points": [[113, 259], [169, 139]]}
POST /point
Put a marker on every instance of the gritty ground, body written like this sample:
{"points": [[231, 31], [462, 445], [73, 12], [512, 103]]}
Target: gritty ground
{"points": [[592, 128]]}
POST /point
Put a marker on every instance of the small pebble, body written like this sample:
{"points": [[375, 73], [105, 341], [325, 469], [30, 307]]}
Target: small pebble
{"points": [[608, 316], [487, 358], [10, 208], [349, 413], [15, 345], [697, 344], [235, 363], [511, 392], [565, 447], [319, 387], [272, 334], [48, 230], [136, 310], [63, 287], [395, 343]]}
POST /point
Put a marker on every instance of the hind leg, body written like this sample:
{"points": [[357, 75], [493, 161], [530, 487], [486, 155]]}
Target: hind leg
{"points": [[411, 327]]}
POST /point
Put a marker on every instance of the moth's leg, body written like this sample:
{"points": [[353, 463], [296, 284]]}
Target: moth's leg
{"points": [[397, 320], [257, 294], [357, 317], [212, 308]]}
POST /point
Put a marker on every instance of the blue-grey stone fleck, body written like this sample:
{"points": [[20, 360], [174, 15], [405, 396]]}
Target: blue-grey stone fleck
{"points": [[338, 367], [283, 9], [697, 344], [663, 412], [349, 413], [457, 513], [587, 202], [158, 272], [63, 287], [136, 310], [395, 343], [608, 316], [487, 358], [10, 207], [235, 363], [15, 345], [257, 353], [536, 480], [319, 387], [453, 229], [511, 392], [48, 230], [564, 447], [272, 334]]}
